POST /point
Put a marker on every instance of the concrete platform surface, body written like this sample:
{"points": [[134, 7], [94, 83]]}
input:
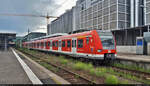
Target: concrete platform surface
{"points": [[134, 57], [11, 72], [39, 73]]}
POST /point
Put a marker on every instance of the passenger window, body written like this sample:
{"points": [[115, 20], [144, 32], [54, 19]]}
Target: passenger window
{"points": [[56, 44], [63, 43], [53, 44], [48, 44], [68, 43], [80, 43], [87, 40]]}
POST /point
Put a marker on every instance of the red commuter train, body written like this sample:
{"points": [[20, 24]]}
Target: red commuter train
{"points": [[94, 44]]}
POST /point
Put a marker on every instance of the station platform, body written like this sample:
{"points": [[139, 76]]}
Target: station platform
{"points": [[16, 69], [134, 57], [11, 71]]}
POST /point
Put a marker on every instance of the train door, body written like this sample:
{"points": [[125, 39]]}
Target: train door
{"points": [[91, 45], [51, 44], [59, 46], [87, 45], [45, 45], [74, 45]]}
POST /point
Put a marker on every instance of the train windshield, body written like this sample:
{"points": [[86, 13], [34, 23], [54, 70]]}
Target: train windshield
{"points": [[106, 39]]}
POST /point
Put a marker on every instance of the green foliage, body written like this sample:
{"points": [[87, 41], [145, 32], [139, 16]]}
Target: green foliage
{"points": [[88, 66], [99, 72], [132, 67], [82, 66], [124, 82], [61, 56], [79, 66], [111, 79], [110, 70], [64, 61], [76, 76], [92, 71], [46, 65]]}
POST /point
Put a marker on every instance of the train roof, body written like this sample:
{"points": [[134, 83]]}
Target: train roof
{"points": [[50, 36], [65, 35]]}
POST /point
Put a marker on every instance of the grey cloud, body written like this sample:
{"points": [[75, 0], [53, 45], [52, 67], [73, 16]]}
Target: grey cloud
{"points": [[20, 24]]}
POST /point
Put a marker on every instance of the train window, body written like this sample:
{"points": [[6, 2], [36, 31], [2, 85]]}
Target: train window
{"points": [[87, 40], [80, 43], [56, 45], [68, 43], [53, 44], [63, 43], [48, 43]]}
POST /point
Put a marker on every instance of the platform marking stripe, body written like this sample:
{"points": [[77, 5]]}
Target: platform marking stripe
{"points": [[33, 78]]}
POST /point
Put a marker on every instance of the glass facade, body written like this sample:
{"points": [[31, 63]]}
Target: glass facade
{"points": [[147, 12], [63, 24], [105, 14], [102, 14]]}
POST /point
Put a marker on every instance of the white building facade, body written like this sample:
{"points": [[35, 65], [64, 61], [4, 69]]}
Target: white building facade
{"points": [[104, 14], [147, 12], [137, 13]]}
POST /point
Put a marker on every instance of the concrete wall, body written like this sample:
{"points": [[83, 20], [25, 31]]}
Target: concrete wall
{"points": [[148, 49], [126, 49], [63, 24]]}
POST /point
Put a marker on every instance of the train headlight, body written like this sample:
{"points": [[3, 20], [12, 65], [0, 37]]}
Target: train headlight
{"points": [[99, 51]]}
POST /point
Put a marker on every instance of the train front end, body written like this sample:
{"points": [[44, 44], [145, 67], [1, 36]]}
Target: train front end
{"points": [[108, 45]]}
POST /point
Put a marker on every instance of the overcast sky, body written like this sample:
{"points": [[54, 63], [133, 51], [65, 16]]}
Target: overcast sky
{"points": [[20, 25]]}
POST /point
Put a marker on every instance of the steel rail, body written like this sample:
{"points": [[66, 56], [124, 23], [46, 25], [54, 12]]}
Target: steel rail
{"points": [[73, 73]]}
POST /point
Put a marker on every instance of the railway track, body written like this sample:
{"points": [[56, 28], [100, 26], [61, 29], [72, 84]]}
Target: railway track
{"points": [[142, 75], [70, 76]]}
